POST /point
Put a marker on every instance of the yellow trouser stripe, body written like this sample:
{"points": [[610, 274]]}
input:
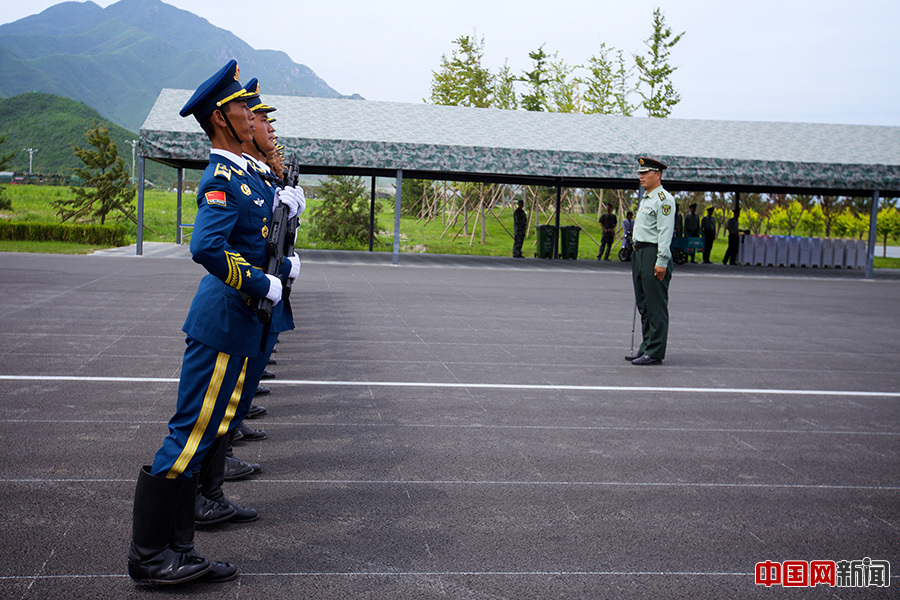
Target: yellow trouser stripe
{"points": [[209, 403], [233, 403]]}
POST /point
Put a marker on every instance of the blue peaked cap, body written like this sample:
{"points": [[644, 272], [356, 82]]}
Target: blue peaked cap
{"points": [[254, 102], [215, 92]]}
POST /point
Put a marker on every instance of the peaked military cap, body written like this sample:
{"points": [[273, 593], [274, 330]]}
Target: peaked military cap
{"points": [[648, 164], [215, 92], [254, 102]]}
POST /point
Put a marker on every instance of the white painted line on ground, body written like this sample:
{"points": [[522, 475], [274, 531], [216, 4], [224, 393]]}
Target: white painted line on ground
{"points": [[451, 482], [488, 386]]}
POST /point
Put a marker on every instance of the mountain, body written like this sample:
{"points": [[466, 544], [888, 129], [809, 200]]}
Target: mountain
{"points": [[117, 59], [52, 125]]}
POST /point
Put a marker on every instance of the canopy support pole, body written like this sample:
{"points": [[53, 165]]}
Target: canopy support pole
{"points": [[372, 216], [873, 221], [139, 245], [558, 206], [178, 230], [396, 260]]}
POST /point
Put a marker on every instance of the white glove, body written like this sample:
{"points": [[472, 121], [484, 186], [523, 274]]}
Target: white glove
{"points": [[294, 199], [274, 293], [295, 266]]}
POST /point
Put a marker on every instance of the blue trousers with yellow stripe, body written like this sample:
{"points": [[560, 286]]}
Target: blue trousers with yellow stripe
{"points": [[255, 367], [209, 398]]}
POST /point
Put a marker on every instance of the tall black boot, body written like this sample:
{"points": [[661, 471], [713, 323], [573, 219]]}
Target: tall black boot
{"points": [[209, 510], [212, 496], [150, 558], [182, 539]]}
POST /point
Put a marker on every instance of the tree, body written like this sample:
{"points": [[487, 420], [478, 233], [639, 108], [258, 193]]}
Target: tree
{"points": [[505, 89], [5, 160], [107, 187], [850, 224], [462, 80], [831, 207], [787, 217], [564, 90], [343, 214], [888, 225], [812, 222], [411, 195], [658, 94], [608, 84], [537, 82]]}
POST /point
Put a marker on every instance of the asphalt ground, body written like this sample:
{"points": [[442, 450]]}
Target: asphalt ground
{"points": [[467, 428]]}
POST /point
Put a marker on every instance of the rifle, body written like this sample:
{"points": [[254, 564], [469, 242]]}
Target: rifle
{"points": [[279, 243]]}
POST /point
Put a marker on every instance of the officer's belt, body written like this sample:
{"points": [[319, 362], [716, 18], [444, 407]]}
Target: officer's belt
{"points": [[640, 245]]}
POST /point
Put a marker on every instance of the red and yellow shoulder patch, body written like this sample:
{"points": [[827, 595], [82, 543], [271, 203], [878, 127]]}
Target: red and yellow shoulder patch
{"points": [[215, 198]]}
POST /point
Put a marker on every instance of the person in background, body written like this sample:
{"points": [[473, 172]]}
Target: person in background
{"points": [[608, 222], [520, 224], [708, 227], [651, 263]]}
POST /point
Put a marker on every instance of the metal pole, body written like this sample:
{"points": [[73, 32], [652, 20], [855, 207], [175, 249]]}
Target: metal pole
{"points": [[737, 200], [873, 220], [558, 204], [372, 216], [397, 217], [179, 239], [133, 144], [140, 208]]}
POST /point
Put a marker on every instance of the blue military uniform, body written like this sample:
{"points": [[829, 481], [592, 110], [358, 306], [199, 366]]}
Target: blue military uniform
{"points": [[221, 329]]}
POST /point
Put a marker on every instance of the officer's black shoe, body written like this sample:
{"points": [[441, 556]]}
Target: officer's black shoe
{"points": [[631, 357], [209, 512], [646, 360], [267, 374], [256, 411], [248, 433], [242, 514], [262, 391], [220, 572], [235, 468], [151, 557], [272, 361], [237, 436]]}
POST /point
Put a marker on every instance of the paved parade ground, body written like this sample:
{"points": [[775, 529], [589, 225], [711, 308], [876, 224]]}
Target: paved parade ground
{"points": [[466, 428]]}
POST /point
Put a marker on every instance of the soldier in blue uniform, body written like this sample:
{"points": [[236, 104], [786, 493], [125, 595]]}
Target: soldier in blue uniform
{"points": [[212, 504], [222, 332]]}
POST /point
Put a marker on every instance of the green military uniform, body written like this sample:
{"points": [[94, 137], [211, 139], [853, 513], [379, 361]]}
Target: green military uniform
{"points": [[653, 229]]}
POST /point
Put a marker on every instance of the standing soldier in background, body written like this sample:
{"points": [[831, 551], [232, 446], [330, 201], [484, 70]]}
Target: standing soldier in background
{"points": [[692, 225], [708, 226], [734, 240], [651, 263], [520, 224], [608, 222]]}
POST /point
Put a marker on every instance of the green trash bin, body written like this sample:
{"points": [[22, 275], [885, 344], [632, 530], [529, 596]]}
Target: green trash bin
{"points": [[569, 235], [546, 241]]}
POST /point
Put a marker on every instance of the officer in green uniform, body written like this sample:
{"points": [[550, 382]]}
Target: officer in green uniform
{"points": [[651, 263]]}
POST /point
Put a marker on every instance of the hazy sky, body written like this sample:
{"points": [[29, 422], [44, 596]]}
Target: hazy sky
{"points": [[828, 61]]}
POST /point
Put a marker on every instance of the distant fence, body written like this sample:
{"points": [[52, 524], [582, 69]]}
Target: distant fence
{"points": [[793, 251]]}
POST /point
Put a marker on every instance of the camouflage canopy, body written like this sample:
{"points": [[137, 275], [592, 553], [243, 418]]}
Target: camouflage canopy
{"points": [[573, 150]]}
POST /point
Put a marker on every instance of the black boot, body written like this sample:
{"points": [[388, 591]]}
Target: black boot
{"points": [[212, 500], [182, 539], [150, 558]]}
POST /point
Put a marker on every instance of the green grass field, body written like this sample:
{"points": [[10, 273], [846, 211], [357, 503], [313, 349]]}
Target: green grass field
{"points": [[33, 203]]}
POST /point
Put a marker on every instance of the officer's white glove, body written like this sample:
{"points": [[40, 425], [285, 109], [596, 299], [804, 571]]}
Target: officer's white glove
{"points": [[274, 293], [294, 199], [295, 266]]}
